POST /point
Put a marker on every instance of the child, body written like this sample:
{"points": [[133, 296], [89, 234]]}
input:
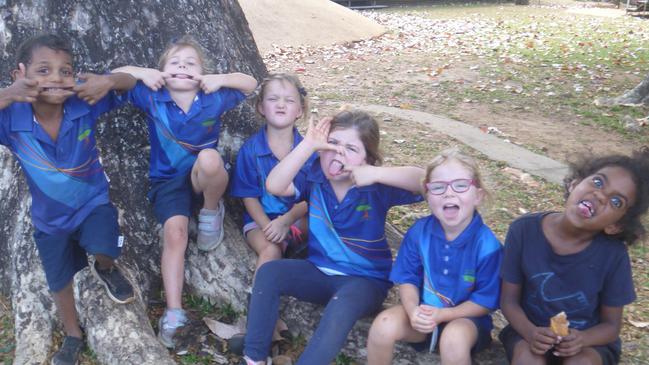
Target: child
{"points": [[269, 221], [575, 261], [48, 123], [447, 271], [349, 258], [183, 107]]}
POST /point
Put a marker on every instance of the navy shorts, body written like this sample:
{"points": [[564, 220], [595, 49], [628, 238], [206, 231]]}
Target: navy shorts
{"points": [[173, 197], [483, 341], [610, 353], [63, 255]]}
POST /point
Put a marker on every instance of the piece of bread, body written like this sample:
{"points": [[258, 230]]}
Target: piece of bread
{"points": [[559, 324]]}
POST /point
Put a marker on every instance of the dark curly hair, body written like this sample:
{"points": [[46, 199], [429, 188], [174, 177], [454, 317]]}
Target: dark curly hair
{"points": [[638, 165]]}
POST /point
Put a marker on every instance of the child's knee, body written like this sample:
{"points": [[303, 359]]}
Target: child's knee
{"points": [[209, 161], [458, 337], [523, 355], [385, 328], [175, 235], [588, 356]]}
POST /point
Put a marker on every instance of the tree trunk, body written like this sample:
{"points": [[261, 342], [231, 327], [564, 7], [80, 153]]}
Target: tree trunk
{"points": [[107, 34], [637, 96]]}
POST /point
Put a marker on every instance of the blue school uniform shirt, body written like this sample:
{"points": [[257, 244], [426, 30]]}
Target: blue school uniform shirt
{"points": [[176, 137], [254, 162], [449, 273], [65, 178], [578, 284], [348, 237]]}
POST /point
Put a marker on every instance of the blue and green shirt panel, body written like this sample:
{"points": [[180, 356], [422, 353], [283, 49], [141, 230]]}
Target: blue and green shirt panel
{"points": [[65, 177], [449, 273], [176, 137], [254, 162]]}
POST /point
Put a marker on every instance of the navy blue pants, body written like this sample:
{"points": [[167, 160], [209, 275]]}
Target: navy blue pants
{"points": [[347, 298]]}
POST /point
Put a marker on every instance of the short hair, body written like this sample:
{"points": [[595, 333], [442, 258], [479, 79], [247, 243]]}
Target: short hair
{"points": [[637, 164], [283, 77], [454, 154], [368, 132], [52, 41], [182, 42]]}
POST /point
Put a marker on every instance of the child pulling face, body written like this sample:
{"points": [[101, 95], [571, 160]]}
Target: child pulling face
{"points": [[438, 300]]}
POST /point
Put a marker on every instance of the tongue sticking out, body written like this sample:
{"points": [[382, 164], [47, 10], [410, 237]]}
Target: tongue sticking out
{"points": [[335, 167]]}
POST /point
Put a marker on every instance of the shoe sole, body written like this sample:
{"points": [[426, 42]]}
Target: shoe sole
{"points": [[110, 295], [169, 345]]}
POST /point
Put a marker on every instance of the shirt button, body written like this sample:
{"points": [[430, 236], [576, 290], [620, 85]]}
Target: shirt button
{"points": [[335, 206], [446, 247], [445, 271], [445, 258]]}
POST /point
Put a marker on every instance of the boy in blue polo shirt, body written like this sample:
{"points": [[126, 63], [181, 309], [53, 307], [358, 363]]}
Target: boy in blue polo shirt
{"points": [[447, 270], [48, 123], [184, 106]]}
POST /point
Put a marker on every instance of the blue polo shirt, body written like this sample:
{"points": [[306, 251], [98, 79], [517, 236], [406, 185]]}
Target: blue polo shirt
{"points": [[65, 177], [176, 137], [254, 162], [348, 237], [449, 273]]}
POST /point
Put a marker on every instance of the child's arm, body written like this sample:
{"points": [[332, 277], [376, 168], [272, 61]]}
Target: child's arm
{"points": [[22, 90], [237, 80], [96, 87], [152, 78], [280, 179], [404, 177], [278, 228], [421, 318], [540, 339], [603, 333], [464, 310]]}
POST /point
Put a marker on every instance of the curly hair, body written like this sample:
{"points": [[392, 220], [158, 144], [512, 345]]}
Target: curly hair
{"points": [[51, 41], [637, 164]]}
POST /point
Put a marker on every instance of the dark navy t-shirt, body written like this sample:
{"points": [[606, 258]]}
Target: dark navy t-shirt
{"points": [[578, 284]]}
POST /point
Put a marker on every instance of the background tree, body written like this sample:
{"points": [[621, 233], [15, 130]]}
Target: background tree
{"points": [[106, 34]]}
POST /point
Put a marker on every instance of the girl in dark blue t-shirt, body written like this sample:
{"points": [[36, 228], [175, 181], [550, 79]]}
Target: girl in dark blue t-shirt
{"points": [[575, 262]]}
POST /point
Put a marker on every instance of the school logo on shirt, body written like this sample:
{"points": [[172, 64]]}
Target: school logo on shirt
{"points": [[469, 278], [365, 208], [209, 124], [85, 133]]}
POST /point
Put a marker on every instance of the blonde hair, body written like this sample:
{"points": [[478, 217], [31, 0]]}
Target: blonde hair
{"points": [[454, 154], [283, 77], [183, 42]]}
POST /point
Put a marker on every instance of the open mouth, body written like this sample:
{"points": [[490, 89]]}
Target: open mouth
{"points": [[182, 76], [450, 210], [56, 88], [336, 168], [586, 209]]}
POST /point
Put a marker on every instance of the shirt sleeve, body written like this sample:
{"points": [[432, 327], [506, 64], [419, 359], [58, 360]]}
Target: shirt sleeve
{"points": [[107, 103], [246, 179], [228, 98], [511, 270], [139, 96], [487, 287], [5, 125], [398, 196], [618, 287], [408, 268]]}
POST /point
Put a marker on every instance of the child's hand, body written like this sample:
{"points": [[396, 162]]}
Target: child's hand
{"points": [[570, 345], [362, 175], [317, 135], [24, 90], [276, 230], [152, 78], [541, 340], [421, 318], [93, 88], [209, 83]]}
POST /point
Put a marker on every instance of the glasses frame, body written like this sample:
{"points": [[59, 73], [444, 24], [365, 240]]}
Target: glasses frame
{"points": [[447, 184]]}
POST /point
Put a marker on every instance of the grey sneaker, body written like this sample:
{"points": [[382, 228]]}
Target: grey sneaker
{"points": [[169, 323], [69, 352], [210, 227], [118, 288]]}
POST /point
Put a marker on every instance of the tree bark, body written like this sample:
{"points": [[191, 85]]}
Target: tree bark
{"points": [[637, 96], [107, 34]]}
